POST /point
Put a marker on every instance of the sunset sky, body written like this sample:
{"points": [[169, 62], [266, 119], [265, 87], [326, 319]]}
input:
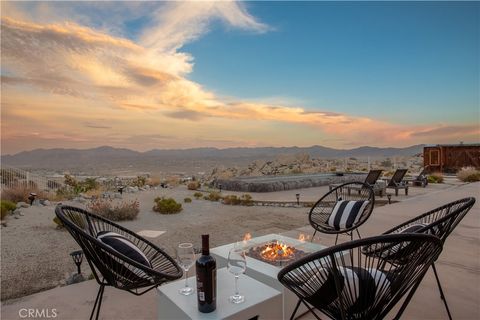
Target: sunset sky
{"points": [[145, 75]]}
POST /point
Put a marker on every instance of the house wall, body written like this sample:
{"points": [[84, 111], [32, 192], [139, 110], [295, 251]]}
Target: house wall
{"points": [[450, 158]]}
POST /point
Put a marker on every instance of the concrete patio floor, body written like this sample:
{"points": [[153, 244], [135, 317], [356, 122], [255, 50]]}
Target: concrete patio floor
{"points": [[458, 267]]}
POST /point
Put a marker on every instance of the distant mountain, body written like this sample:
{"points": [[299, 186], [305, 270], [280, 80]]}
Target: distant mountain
{"points": [[106, 158]]}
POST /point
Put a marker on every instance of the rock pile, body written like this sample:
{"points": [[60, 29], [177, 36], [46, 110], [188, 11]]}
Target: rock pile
{"points": [[282, 165]]}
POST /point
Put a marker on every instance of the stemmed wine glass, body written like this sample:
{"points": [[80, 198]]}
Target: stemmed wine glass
{"points": [[237, 264], [186, 258]]}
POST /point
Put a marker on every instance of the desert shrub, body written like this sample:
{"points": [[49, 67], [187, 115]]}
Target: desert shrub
{"points": [[73, 186], [246, 200], [187, 200], [154, 181], [166, 205], [193, 185], [58, 222], [213, 196], [198, 195], [6, 206], [468, 174], [231, 200], [125, 210], [436, 177], [65, 193], [21, 192], [139, 181], [333, 169]]}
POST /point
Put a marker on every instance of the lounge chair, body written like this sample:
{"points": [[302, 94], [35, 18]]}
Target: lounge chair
{"points": [[397, 182], [439, 222], [343, 283], [117, 256], [339, 212], [420, 180], [370, 180]]}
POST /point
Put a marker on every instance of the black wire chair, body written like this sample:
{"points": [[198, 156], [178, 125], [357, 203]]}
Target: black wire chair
{"points": [[110, 267], [439, 222], [322, 209], [343, 283]]}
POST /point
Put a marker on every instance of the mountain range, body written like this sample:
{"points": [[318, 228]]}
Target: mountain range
{"points": [[105, 158]]}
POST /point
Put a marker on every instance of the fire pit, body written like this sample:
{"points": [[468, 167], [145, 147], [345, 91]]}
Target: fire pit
{"points": [[275, 252]]}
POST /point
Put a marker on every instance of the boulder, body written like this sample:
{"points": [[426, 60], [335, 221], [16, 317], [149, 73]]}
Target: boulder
{"points": [[22, 204]]}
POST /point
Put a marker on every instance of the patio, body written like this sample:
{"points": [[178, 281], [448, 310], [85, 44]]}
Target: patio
{"points": [[458, 267]]}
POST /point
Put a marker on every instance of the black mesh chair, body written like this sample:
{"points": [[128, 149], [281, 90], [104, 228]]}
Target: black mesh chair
{"points": [[321, 211], [343, 283], [439, 222], [110, 267]]}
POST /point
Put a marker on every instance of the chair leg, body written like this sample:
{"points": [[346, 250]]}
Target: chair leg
{"points": [[99, 301], [358, 233], [336, 239], [396, 192], [442, 296], [311, 240], [296, 308]]}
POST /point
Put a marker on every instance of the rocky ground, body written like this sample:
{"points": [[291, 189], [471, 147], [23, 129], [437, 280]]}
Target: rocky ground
{"points": [[35, 254]]}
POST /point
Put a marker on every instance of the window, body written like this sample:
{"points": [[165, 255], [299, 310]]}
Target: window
{"points": [[434, 157]]}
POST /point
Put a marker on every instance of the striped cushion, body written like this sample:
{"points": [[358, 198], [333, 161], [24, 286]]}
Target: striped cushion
{"points": [[359, 288], [346, 214], [127, 248]]}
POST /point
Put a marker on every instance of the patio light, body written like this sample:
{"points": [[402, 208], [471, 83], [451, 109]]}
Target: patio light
{"points": [[77, 257], [298, 198]]}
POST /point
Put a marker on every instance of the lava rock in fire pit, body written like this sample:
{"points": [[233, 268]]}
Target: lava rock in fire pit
{"points": [[276, 253]]}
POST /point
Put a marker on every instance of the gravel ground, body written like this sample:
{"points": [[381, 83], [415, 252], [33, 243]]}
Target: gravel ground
{"points": [[35, 255]]}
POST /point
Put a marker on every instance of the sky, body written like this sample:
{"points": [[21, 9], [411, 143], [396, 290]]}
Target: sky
{"points": [[168, 75]]}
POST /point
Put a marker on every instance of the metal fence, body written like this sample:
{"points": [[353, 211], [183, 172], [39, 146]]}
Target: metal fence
{"points": [[11, 177]]}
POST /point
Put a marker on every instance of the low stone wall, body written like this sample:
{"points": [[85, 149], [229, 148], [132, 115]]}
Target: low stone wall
{"points": [[281, 183]]}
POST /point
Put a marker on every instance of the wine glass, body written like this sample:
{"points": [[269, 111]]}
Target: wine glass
{"points": [[237, 264], [186, 258]]}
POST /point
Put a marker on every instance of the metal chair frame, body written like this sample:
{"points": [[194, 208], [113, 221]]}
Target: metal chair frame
{"points": [[440, 222], [110, 267], [317, 276], [321, 210]]}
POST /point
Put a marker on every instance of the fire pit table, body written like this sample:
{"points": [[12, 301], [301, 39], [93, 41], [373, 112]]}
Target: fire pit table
{"points": [[266, 256]]}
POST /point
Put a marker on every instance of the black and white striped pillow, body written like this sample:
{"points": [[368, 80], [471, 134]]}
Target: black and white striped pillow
{"points": [[346, 213], [124, 246], [359, 288]]}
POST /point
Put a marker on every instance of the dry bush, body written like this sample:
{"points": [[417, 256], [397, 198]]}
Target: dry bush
{"points": [[193, 185], [21, 192], [468, 174], [6, 208], [154, 181], [213, 196], [198, 195], [166, 205], [435, 177], [115, 211], [173, 181], [231, 200], [187, 200]]}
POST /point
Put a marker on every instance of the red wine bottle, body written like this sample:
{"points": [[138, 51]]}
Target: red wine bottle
{"points": [[206, 279]]}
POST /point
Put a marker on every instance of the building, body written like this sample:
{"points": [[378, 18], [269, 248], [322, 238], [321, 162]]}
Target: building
{"points": [[450, 158]]}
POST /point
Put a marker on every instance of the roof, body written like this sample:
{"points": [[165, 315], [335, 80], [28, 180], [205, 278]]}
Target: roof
{"points": [[453, 145]]}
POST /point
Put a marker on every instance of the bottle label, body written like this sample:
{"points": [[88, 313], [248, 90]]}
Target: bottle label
{"points": [[201, 296]]}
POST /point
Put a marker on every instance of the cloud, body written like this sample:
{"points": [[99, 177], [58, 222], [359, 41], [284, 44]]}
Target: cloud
{"points": [[96, 126], [62, 73], [449, 131]]}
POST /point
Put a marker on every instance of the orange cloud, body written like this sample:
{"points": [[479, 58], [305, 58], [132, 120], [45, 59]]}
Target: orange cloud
{"points": [[62, 76]]}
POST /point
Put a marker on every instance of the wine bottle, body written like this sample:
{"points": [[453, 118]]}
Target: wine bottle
{"points": [[206, 279]]}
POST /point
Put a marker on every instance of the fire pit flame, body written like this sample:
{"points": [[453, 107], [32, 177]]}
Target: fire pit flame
{"points": [[277, 251]]}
